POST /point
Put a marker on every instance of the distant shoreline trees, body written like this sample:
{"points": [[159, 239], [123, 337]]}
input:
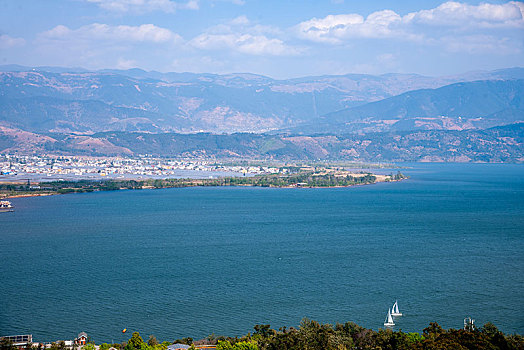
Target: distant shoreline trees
{"points": [[299, 179]]}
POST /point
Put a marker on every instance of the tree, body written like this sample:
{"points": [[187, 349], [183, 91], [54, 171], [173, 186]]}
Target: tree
{"points": [[224, 345], [243, 345], [433, 329], [313, 335], [284, 340], [415, 337], [152, 341], [61, 345], [495, 336], [187, 341], [135, 343], [6, 344], [264, 330], [104, 346]]}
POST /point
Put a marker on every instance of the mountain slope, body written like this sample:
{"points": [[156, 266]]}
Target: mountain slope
{"points": [[86, 101], [469, 99], [468, 105], [499, 144]]}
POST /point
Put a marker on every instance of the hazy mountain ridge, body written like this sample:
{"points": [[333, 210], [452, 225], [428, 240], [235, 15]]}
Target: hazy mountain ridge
{"points": [[182, 107], [135, 100], [460, 106], [466, 99]]}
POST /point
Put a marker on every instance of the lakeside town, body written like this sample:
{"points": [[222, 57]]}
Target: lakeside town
{"points": [[84, 342], [49, 167], [22, 176]]}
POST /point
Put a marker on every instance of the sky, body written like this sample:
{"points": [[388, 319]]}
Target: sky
{"points": [[277, 38]]}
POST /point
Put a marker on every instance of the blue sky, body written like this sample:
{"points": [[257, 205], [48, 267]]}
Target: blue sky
{"points": [[280, 39]]}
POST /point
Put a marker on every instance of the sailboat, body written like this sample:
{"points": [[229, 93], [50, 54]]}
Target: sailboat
{"points": [[394, 310], [388, 322]]}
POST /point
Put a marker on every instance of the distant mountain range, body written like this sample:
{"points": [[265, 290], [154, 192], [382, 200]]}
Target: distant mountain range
{"points": [[135, 100], [60, 109], [466, 105]]}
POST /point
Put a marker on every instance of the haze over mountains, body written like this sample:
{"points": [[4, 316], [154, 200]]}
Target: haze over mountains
{"points": [[37, 104], [466, 105]]}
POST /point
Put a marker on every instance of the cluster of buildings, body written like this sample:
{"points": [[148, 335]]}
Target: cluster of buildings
{"points": [[22, 341], [114, 167]]}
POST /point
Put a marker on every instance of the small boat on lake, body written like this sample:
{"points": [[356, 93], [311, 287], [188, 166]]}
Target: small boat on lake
{"points": [[388, 322], [5, 206], [394, 310]]}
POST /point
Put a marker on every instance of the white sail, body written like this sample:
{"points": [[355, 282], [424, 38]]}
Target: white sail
{"points": [[389, 320], [394, 310]]}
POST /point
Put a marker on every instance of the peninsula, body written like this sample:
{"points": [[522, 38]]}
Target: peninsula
{"points": [[292, 177]]}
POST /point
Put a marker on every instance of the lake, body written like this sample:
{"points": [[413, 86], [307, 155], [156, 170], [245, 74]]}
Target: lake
{"points": [[446, 243]]}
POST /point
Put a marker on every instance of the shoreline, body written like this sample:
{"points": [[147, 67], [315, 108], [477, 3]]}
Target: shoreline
{"points": [[193, 183], [30, 195]]}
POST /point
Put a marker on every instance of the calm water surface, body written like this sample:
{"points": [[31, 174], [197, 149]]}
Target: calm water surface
{"points": [[447, 243]]}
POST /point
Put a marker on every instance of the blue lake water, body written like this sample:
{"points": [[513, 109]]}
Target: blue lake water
{"points": [[447, 243]]}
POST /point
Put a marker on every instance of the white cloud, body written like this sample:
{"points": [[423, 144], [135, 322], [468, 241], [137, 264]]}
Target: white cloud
{"points": [[145, 5], [98, 31], [329, 28], [336, 28], [339, 28], [190, 5], [7, 42], [100, 45], [242, 36], [458, 14], [240, 20], [244, 43], [243, 24], [234, 2]]}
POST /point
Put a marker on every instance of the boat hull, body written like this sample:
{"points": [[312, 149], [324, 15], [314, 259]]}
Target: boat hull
{"points": [[396, 314]]}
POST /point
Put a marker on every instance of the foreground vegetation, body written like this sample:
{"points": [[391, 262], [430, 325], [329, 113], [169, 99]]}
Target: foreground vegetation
{"points": [[311, 335], [298, 179]]}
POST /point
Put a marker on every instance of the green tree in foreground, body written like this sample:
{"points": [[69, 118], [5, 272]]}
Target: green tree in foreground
{"points": [[135, 343], [104, 346], [312, 335], [242, 345]]}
